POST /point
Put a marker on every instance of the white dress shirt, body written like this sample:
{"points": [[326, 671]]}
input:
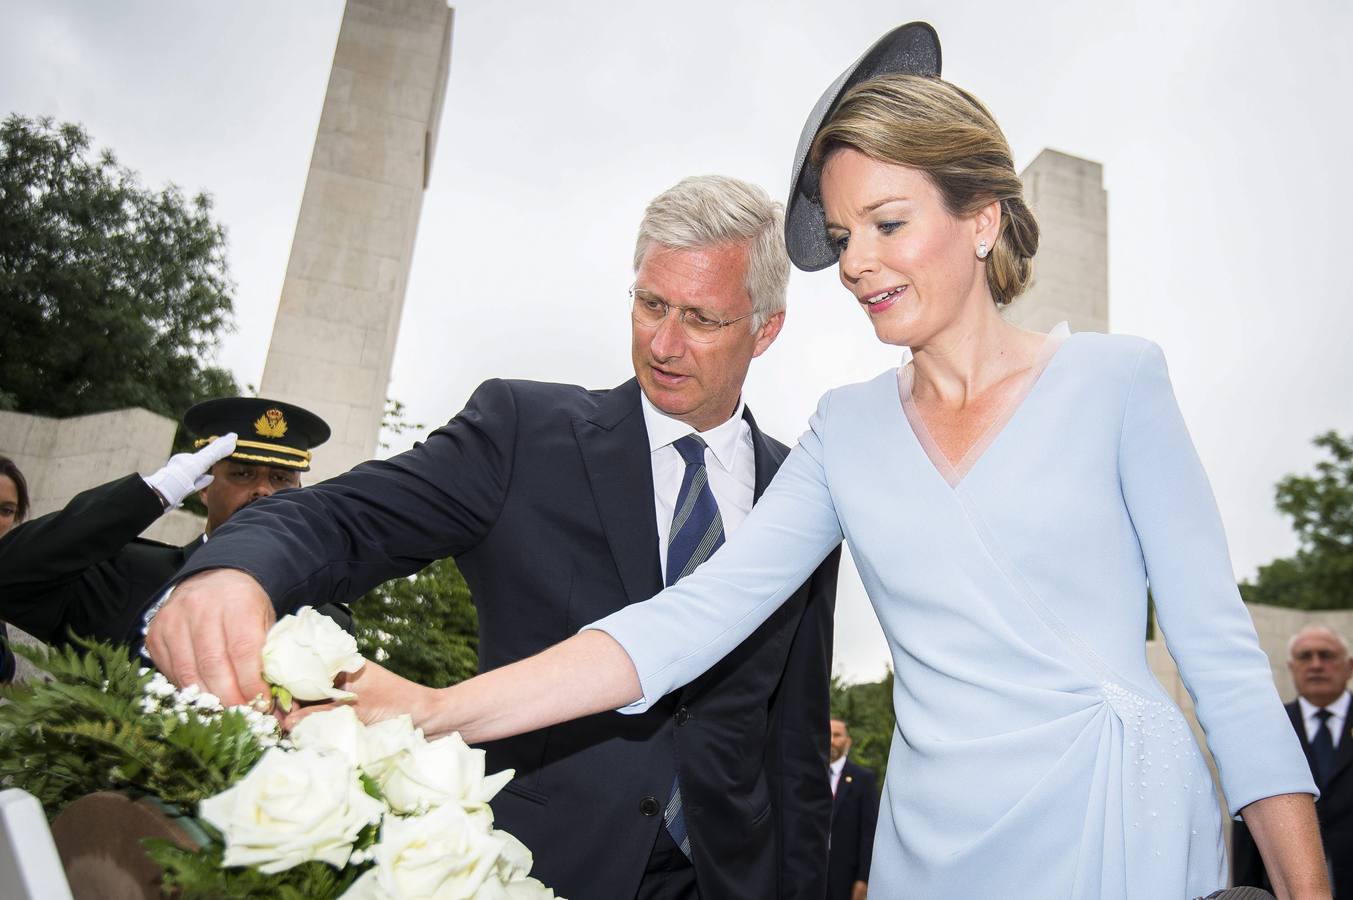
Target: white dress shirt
{"points": [[835, 770], [730, 462], [1339, 708]]}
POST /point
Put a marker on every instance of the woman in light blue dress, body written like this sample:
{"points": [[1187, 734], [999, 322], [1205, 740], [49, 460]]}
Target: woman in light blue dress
{"points": [[1006, 496]]}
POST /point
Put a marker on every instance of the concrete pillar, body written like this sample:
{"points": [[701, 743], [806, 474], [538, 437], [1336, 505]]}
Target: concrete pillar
{"points": [[1071, 269], [338, 318]]}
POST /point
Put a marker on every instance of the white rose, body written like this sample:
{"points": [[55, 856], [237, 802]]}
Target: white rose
{"points": [[528, 889], [522, 889], [292, 807], [444, 855], [385, 741], [305, 652], [366, 888], [372, 748], [334, 731], [515, 860], [442, 771]]}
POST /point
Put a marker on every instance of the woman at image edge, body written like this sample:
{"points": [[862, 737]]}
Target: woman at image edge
{"points": [[1006, 496]]}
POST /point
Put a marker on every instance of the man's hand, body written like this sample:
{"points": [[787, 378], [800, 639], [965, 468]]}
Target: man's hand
{"points": [[186, 473], [860, 890], [211, 633]]}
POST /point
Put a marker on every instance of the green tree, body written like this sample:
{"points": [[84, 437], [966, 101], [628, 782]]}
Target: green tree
{"points": [[111, 295], [395, 421], [867, 710], [423, 627], [1320, 574]]}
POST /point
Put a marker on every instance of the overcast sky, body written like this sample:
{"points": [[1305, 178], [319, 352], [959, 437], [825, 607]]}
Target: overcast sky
{"points": [[1223, 129]]}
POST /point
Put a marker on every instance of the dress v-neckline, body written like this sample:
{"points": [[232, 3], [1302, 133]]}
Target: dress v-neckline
{"points": [[954, 472]]}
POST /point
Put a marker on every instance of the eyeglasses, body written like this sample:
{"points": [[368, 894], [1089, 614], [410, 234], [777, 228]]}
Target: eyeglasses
{"points": [[1322, 655], [649, 310]]}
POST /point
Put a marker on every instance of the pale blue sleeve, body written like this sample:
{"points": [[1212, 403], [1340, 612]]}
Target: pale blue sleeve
{"points": [[1207, 628], [675, 636]]}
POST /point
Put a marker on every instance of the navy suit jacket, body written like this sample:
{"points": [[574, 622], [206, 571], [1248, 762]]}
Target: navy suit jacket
{"points": [[543, 493], [1334, 809], [855, 813]]}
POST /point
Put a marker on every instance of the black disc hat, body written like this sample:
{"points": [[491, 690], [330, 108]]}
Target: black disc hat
{"points": [[912, 49], [270, 432]]}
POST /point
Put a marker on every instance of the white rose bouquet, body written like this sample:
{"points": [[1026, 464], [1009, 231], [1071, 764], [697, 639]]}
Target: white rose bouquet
{"points": [[337, 810]]}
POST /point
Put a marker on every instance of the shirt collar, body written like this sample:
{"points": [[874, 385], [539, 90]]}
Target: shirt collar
{"points": [[723, 440], [837, 766], [1339, 707]]}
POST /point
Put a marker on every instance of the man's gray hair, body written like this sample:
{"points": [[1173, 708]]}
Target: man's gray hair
{"points": [[1316, 629], [707, 210]]}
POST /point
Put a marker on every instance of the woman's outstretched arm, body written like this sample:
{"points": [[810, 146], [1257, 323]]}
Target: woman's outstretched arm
{"points": [[588, 673], [631, 658]]}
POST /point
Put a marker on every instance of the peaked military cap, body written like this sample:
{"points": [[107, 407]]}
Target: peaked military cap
{"points": [[270, 432]]}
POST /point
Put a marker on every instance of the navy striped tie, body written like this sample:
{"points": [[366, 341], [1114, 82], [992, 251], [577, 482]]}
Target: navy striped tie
{"points": [[697, 531]]}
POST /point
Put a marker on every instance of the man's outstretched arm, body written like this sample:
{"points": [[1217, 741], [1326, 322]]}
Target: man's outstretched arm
{"points": [[331, 543]]}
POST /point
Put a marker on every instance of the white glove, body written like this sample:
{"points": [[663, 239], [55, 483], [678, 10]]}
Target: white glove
{"points": [[185, 473]]}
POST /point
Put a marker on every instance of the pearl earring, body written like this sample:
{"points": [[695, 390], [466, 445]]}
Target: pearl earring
{"points": [[981, 249]]}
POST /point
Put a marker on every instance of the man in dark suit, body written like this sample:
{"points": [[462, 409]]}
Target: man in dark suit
{"points": [[84, 570], [855, 812], [1319, 661], [558, 503]]}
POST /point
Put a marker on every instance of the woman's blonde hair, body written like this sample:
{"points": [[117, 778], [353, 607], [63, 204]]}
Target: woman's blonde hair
{"points": [[928, 124]]}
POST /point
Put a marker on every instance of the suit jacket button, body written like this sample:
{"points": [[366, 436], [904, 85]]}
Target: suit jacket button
{"points": [[649, 806], [682, 715]]}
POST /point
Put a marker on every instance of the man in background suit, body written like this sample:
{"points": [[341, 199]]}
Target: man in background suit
{"points": [[1319, 661], [558, 504], [855, 812]]}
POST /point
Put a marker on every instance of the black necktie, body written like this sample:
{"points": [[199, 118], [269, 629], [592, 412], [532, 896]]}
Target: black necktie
{"points": [[1322, 748], [697, 531]]}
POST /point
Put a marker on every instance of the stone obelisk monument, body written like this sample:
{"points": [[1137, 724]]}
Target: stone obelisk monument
{"points": [[1071, 269], [338, 319]]}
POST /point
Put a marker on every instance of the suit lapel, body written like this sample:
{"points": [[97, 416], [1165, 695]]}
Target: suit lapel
{"points": [[767, 456], [1343, 754], [190, 548], [614, 445], [1294, 713]]}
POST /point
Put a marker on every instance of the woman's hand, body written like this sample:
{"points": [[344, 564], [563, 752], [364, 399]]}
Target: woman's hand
{"points": [[381, 694], [1285, 830], [587, 673]]}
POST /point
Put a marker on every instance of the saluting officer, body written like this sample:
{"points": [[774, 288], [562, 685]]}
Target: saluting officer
{"points": [[84, 570]]}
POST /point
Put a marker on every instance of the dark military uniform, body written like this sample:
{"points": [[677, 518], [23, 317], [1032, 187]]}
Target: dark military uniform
{"points": [[83, 570]]}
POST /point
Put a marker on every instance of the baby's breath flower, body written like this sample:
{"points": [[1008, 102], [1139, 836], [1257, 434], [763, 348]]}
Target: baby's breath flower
{"points": [[207, 701], [159, 686]]}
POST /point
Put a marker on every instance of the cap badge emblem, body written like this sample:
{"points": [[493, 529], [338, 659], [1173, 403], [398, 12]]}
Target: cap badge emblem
{"points": [[271, 424]]}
